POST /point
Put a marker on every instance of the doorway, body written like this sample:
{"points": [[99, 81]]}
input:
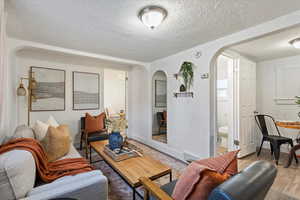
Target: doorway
{"points": [[235, 104], [225, 109], [159, 107], [115, 92]]}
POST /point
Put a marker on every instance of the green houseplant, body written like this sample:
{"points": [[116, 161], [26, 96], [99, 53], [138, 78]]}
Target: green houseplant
{"points": [[187, 74]]}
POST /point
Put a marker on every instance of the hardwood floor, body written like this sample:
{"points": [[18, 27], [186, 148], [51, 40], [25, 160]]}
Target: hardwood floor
{"points": [[285, 187], [160, 138], [287, 182]]}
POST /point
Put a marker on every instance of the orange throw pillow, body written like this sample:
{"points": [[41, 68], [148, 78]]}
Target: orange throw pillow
{"points": [[226, 163], [57, 142], [209, 181], [197, 182], [93, 124], [201, 177]]}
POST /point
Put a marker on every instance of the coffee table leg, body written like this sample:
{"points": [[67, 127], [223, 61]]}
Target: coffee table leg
{"points": [[171, 176], [133, 193]]}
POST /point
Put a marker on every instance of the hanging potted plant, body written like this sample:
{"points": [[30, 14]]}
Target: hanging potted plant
{"points": [[187, 74]]}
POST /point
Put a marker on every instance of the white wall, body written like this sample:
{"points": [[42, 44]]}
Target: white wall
{"points": [[114, 90], [138, 100], [272, 76], [191, 121], [64, 58], [159, 75], [69, 116]]}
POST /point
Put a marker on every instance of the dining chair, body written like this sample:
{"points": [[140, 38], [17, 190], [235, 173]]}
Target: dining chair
{"points": [[275, 140]]}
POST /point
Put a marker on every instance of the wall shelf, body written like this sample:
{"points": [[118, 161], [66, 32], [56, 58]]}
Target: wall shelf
{"points": [[183, 94]]}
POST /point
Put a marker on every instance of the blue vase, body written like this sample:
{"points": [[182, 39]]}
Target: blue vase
{"points": [[115, 140]]}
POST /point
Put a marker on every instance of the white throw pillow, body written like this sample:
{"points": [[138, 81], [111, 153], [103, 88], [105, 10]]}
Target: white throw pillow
{"points": [[52, 122], [41, 128]]}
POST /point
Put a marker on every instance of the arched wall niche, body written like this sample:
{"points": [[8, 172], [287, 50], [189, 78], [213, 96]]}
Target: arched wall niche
{"points": [[159, 106]]}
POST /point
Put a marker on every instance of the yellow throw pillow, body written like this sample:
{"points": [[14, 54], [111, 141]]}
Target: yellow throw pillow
{"points": [[57, 142]]}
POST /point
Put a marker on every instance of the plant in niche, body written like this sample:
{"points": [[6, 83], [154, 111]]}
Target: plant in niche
{"points": [[187, 74]]}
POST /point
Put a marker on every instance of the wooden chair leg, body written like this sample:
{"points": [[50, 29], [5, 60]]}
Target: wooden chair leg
{"points": [[292, 154], [146, 194]]}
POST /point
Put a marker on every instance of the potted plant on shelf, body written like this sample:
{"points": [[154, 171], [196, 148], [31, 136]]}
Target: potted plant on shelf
{"points": [[187, 74], [116, 127]]}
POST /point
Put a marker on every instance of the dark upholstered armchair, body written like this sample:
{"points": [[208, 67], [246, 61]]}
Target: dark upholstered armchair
{"points": [[162, 122], [90, 137], [251, 183]]}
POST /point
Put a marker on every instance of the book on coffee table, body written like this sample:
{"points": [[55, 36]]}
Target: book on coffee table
{"points": [[123, 154]]}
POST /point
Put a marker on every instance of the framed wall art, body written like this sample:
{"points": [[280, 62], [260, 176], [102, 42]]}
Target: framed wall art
{"points": [[49, 93], [86, 91]]}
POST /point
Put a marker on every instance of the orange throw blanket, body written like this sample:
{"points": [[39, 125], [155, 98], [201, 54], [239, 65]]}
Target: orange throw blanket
{"points": [[48, 171]]}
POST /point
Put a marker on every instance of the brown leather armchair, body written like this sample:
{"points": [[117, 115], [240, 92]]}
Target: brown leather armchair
{"points": [[162, 121], [91, 137]]}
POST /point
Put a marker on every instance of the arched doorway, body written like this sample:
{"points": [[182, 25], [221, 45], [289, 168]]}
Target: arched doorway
{"points": [[159, 106]]}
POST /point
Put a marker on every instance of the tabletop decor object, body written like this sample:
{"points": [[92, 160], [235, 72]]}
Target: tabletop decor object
{"points": [[120, 154], [116, 126]]}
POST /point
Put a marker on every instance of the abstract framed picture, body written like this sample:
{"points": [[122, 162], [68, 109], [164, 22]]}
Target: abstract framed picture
{"points": [[86, 91], [49, 94], [160, 93]]}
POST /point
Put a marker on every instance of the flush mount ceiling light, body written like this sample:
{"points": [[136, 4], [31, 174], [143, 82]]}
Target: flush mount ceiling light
{"points": [[296, 43], [152, 16]]}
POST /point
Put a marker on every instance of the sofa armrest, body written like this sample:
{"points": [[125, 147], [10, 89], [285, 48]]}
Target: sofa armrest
{"points": [[89, 185], [154, 189]]}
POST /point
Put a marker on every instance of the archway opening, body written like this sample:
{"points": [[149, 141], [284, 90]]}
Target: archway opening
{"points": [[159, 107]]}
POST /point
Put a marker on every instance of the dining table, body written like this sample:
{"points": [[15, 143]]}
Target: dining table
{"points": [[291, 125]]}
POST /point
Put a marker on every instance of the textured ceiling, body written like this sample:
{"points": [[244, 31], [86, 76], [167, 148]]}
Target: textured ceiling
{"points": [[270, 47], [112, 27]]}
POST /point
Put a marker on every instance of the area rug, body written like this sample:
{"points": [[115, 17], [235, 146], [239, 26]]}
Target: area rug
{"points": [[118, 188], [285, 187]]}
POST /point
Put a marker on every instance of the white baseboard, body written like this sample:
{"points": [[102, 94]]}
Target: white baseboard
{"points": [[164, 148]]}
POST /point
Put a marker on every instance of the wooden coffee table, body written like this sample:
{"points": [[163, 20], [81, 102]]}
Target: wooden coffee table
{"points": [[131, 170]]}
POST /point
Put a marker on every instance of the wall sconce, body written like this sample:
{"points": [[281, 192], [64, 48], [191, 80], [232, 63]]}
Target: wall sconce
{"points": [[22, 91]]}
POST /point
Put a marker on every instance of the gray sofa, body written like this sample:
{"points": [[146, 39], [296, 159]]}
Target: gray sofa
{"points": [[18, 178]]}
